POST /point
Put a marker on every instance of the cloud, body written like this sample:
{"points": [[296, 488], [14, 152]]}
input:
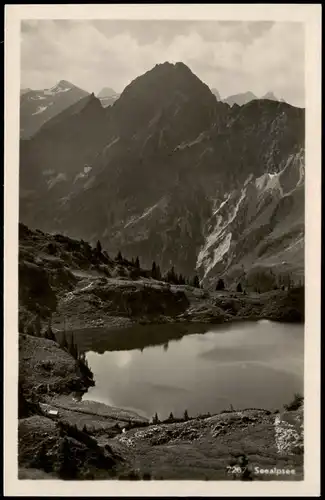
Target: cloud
{"points": [[230, 56]]}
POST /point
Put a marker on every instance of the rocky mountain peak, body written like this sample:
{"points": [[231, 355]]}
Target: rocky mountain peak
{"points": [[106, 92], [169, 96], [270, 96]]}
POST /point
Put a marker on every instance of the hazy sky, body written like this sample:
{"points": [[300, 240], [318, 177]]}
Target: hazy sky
{"points": [[231, 56]]}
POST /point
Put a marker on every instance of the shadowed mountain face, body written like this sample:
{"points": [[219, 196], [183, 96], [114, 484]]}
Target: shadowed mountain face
{"points": [[170, 173], [39, 106]]}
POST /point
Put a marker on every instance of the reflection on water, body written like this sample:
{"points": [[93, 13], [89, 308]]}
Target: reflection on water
{"points": [[201, 368]]}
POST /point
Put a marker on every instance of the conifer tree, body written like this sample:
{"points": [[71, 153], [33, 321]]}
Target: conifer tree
{"points": [[155, 419], [38, 326], [49, 332], [68, 468], [64, 343], [196, 282], [239, 288], [137, 263], [99, 247], [220, 284], [119, 256]]}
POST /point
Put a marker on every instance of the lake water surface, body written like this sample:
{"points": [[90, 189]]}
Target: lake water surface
{"points": [[201, 368]]}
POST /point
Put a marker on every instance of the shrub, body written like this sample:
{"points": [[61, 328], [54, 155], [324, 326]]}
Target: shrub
{"points": [[220, 284], [296, 403]]}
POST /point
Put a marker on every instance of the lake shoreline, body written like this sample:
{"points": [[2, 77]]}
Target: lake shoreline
{"points": [[65, 286], [114, 432]]}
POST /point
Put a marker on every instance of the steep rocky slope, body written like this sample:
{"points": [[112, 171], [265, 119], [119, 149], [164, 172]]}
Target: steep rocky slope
{"points": [[177, 177], [39, 106]]}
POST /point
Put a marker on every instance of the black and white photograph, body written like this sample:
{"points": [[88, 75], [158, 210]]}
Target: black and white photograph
{"points": [[162, 170]]}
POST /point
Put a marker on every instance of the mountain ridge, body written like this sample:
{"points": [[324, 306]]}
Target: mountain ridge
{"points": [[154, 183], [39, 106]]}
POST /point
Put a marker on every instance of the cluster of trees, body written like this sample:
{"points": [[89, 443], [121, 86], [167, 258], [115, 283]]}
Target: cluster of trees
{"points": [[170, 277], [221, 286], [171, 418], [67, 343], [178, 279], [70, 346]]}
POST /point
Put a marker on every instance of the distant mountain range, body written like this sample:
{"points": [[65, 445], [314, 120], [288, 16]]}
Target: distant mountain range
{"points": [[106, 92], [39, 106], [171, 174], [243, 98], [107, 96], [24, 91]]}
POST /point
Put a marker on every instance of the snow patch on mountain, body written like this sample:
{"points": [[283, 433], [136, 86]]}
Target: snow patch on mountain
{"points": [[249, 178], [135, 219], [222, 204], [110, 144], [221, 224], [83, 174], [198, 139], [218, 253], [58, 178], [57, 89], [40, 109], [268, 181]]}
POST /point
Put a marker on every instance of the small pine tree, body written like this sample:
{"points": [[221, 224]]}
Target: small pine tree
{"points": [[239, 288], [119, 256], [137, 263], [186, 415], [21, 326], [171, 416], [220, 284], [171, 276], [64, 343], [196, 282], [30, 329], [158, 273], [43, 460], [49, 332], [155, 419], [73, 350], [154, 270], [38, 326], [98, 247], [68, 468]]}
